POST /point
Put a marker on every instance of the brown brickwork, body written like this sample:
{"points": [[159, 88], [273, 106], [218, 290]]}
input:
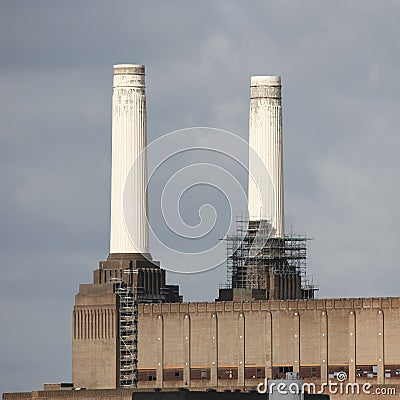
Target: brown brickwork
{"points": [[315, 337], [226, 344]]}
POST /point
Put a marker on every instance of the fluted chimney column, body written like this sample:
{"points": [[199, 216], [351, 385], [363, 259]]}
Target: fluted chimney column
{"points": [[266, 201], [129, 139]]}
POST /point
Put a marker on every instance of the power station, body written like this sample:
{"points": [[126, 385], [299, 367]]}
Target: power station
{"points": [[132, 331]]}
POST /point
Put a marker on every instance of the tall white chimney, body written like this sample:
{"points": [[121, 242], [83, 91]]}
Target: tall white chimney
{"points": [[129, 139], [265, 138]]}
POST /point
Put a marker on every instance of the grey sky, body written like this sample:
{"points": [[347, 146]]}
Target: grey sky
{"points": [[340, 67]]}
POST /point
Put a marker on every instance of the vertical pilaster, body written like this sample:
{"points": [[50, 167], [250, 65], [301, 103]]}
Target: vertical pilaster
{"points": [[153, 281], [90, 323], [144, 273], [160, 350], [214, 350], [241, 349], [158, 286], [380, 345], [298, 287], [324, 346], [268, 344], [284, 289], [296, 342], [162, 278], [107, 323], [352, 346], [186, 350]]}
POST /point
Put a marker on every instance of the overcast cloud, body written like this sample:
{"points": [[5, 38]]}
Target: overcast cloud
{"points": [[340, 67]]}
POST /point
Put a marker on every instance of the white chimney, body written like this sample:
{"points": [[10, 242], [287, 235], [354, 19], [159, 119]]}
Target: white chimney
{"points": [[129, 139], [265, 137]]}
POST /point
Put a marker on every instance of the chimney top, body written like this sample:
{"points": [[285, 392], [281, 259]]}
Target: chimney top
{"points": [[267, 80], [128, 69]]}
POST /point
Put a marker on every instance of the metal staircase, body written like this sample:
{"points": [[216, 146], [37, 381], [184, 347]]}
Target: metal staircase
{"points": [[128, 331]]}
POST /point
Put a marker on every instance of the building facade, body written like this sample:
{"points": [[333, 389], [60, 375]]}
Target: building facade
{"points": [[229, 344], [238, 344]]}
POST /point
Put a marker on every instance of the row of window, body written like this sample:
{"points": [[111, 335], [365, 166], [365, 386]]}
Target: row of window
{"points": [[306, 372], [197, 374]]}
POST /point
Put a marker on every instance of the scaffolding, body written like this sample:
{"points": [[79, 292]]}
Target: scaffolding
{"points": [[256, 260], [127, 329]]}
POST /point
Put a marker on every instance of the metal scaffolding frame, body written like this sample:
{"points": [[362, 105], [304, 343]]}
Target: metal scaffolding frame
{"points": [[253, 255], [127, 330]]}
